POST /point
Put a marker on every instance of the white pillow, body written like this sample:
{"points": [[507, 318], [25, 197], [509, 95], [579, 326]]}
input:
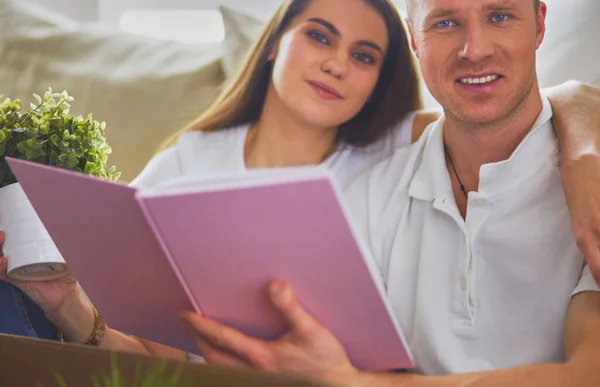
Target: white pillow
{"points": [[260, 10], [241, 31], [571, 47], [144, 89]]}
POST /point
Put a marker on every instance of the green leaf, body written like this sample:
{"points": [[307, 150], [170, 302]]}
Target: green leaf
{"points": [[22, 147], [53, 157], [89, 167], [54, 140], [33, 153], [44, 129], [57, 123]]}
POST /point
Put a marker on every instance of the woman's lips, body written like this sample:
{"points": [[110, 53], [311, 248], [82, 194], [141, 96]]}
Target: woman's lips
{"points": [[324, 91]]}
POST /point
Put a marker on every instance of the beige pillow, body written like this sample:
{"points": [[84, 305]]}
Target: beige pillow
{"points": [[241, 31], [144, 89]]}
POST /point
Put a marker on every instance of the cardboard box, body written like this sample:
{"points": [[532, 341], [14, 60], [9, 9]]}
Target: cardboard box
{"points": [[27, 362]]}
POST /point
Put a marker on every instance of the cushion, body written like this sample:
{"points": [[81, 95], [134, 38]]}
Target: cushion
{"points": [[241, 31], [571, 49], [144, 89]]}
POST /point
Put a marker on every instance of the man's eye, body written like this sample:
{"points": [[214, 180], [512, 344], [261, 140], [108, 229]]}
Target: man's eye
{"points": [[500, 17], [445, 24], [318, 37]]}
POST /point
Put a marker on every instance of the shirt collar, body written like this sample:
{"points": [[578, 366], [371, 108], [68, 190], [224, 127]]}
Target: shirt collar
{"points": [[432, 181]]}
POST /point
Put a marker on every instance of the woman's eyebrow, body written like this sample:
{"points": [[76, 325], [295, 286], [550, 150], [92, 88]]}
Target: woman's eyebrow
{"points": [[331, 28], [325, 24]]}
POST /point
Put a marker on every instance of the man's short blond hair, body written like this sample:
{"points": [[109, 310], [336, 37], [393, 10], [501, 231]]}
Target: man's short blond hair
{"points": [[411, 4]]}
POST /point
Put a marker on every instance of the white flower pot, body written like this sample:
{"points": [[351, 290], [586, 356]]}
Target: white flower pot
{"points": [[31, 254]]}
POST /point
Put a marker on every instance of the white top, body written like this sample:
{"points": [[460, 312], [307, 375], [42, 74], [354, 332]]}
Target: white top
{"points": [[487, 293], [200, 153]]}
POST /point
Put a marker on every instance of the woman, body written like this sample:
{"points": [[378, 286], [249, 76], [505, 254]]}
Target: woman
{"points": [[314, 82], [324, 84]]}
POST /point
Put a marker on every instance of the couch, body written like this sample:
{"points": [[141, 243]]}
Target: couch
{"points": [[147, 89]]}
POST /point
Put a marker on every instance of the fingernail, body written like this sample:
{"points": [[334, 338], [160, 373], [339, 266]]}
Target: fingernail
{"points": [[277, 288]]}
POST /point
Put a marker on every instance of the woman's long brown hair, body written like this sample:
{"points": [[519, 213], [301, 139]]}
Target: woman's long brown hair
{"points": [[396, 93]]}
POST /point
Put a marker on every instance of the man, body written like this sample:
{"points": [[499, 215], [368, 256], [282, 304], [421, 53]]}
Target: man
{"points": [[469, 227]]}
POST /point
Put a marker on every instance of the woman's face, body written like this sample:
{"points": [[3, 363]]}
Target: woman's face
{"points": [[328, 61]]}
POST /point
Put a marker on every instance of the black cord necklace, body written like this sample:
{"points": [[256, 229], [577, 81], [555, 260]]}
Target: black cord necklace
{"points": [[462, 186]]}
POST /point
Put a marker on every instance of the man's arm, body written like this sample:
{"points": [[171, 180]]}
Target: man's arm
{"points": [[576, 119], [581, 369], [311, 351]]}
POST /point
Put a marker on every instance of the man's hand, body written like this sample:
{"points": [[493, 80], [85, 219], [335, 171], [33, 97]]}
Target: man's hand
{"points": [[307, 349]]}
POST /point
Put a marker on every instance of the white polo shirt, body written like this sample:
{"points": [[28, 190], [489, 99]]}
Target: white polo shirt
{"points": [[484, 293]]}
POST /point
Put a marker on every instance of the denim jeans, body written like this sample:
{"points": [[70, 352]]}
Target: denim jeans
{"points": [[19, 315]]}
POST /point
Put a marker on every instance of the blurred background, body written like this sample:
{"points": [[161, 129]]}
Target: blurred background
{"points": [[147, 67]]}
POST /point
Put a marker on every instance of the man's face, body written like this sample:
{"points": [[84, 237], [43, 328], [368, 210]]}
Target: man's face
{"points": [[478, 56]]}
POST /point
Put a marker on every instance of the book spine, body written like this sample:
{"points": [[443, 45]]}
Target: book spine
{"points": [[147, 212], [368, 261]]}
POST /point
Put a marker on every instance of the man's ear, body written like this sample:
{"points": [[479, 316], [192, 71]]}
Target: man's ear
{"points": [[541, 24], [413, 44]]}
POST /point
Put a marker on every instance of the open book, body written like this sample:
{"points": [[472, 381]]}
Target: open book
{"points": [[212, 245]]}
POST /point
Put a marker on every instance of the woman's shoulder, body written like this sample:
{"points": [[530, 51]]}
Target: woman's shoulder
{"points": [[194, 152], [219, 139], [162, 166]]}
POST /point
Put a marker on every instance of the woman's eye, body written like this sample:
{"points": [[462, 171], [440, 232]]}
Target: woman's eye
{"points": [[445, 24], [362, 57], [318, 37]]}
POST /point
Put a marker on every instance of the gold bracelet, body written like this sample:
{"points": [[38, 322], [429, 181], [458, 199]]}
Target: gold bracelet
{"points": [[97, 334], [60, 335]]}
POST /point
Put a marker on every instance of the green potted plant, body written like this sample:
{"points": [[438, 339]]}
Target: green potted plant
{"points": [[156, 375], [43, 133]]}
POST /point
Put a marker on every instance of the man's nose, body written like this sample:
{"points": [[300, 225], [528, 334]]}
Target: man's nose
{"points": [[476, 43]]}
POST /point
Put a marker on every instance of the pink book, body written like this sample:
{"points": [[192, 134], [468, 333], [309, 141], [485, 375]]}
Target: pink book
{"points": [[213, 245]]}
